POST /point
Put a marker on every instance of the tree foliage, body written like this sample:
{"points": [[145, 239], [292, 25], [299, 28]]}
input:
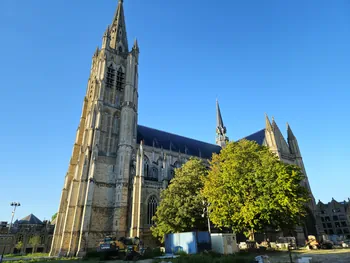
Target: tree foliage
{"points": [[249, 188], [53, 217], [19, 245], [181, 204], [34, 241]]}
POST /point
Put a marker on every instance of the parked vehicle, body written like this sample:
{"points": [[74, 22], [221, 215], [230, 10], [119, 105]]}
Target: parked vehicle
{"points": [[286, 243], [326, 244], [123, 248]]}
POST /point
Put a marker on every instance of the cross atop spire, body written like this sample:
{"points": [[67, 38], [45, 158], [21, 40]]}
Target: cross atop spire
{"points": [[221, 137], [119, 39]]}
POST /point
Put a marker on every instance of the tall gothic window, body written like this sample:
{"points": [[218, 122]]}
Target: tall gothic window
{"points": [[120, 79], [172, 174], [146, 167], [110, 76], [135, 77], [154, 174], [151, 209], [115, 123], [134, 129]]}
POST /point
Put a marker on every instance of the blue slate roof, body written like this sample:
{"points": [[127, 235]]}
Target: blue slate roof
{"points": [[175, 143], [258, 136], [31, 220]]}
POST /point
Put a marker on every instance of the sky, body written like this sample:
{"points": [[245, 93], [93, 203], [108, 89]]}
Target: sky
{"points": [[289, 59]]}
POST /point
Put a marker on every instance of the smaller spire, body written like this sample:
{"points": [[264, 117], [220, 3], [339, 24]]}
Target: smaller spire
{"points": [[268, 125], [136, 45], [107, 32], [290, 132], [96, 52]]}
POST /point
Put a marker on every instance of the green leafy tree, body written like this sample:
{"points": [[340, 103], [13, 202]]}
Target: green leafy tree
{"points": [[34, 241], [19, 246], [53, 217], [181, 204], [249, 188]]}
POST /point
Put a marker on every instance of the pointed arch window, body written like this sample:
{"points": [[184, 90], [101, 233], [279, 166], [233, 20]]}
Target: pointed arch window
{"points": [[135, 77], [110, 76], [177, 164], [146, 167], [154, 174], [151, 209], [93, 121], [134, 127], [120, 79]]}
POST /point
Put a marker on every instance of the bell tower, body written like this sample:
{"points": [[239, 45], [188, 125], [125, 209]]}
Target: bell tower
{"points": [[95, 197]]}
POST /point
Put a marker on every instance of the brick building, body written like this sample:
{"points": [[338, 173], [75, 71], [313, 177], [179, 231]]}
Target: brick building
{"points": [[335, 218], [22, 231]]}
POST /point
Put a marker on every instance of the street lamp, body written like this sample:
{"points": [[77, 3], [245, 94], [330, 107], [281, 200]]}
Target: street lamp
{"points": [[15, 204]]}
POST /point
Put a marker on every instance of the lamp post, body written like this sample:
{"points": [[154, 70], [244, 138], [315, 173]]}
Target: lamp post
{"points": [[206, 211], [15, 204]]}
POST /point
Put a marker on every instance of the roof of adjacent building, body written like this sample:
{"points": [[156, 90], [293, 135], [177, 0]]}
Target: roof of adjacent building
{"points": [[31, 220], [176, 143]]}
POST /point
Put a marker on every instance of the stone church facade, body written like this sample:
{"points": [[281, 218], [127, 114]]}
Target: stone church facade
{"points": [[118, 168]]}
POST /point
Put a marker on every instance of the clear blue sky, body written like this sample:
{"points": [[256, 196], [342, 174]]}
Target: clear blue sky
{"points": [[290, 59]]}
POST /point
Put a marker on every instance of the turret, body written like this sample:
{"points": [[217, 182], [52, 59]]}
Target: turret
{"points": [[135, 49], [274, 138], [106, 39]]}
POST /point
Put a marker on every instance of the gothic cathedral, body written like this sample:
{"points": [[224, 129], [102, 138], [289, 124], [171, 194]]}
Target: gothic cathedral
{"points": [[118, 168]]}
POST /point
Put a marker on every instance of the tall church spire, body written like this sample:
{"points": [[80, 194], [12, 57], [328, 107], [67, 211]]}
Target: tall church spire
{"points": [[219, 122], [119, 39], [221, 137]]}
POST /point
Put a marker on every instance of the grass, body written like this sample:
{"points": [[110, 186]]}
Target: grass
{"points": [[210, 258], [319, 256], [34, 255], [56, 260], [37, 257]]}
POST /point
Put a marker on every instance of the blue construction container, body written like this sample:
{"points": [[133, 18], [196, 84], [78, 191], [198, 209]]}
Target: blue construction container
{"points": [[189, 242]]}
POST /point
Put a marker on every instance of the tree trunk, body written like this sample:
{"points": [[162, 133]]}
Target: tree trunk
{"points": [[251, 235]]}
